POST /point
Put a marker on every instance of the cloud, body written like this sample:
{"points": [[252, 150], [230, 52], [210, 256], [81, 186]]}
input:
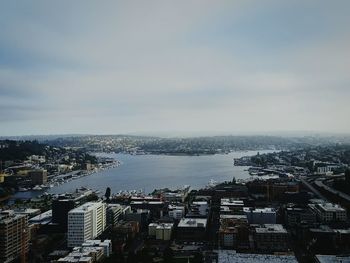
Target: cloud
{"points": [[186, 66]]}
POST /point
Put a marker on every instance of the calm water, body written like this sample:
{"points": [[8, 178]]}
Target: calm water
{"points": [[149, 172]]}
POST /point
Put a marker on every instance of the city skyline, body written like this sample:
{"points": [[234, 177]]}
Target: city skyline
{"points": [[191, 67]]}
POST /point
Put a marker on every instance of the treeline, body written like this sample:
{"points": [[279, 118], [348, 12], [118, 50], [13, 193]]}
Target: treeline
{"points": [[20, 150]]}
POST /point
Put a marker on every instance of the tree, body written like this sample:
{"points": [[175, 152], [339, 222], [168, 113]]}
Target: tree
{"points": [[108, 194]]}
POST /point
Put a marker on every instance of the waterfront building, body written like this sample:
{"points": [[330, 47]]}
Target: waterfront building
{"points": [[86, 222], [38, 177]]}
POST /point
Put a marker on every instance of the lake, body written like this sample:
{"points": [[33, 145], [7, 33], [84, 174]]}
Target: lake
{"points": [[149, 172]]}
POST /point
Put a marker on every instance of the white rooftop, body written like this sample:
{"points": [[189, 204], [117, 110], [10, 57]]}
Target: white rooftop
{"points": [[271, 228], [231, 202], [330, 207], [259, 210], [193, 222], [85, 207]]}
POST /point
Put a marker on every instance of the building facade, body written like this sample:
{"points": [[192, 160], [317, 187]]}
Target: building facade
{"points": [[86, 222], [13, 236]]}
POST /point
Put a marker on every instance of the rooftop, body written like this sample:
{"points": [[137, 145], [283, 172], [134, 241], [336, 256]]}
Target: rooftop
{"points": [[230, 256], [271, 228], [85, 207], [259, 210], [193, 222], [332, 259], [231, 202], [330, 207]]}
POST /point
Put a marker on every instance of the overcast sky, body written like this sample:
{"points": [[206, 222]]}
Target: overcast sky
{"points": [[174, 66]]}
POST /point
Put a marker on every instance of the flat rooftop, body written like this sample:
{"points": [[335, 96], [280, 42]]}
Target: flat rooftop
{"points": [[231, 202], [330, 207], [271, 228], [85, 207], [332, 259], [193, 222], [230, 256], [259, 210]]}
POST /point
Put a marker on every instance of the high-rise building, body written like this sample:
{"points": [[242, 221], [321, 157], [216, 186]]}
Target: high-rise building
{"points": [[60, 209], [13, 236], [86, 222]]}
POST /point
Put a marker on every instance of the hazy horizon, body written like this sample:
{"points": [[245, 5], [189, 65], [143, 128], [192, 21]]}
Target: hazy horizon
{"points": [[179, 134], [184, 67]]}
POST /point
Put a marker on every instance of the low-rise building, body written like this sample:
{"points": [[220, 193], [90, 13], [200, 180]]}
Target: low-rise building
{"points": [[175, 211], [230, 256], [106, 245], [260, 215], [271, 238], [192, 229], [160, 231], [230, 205], [329, 212], [295, 216], [234, 231], [200, 207]]}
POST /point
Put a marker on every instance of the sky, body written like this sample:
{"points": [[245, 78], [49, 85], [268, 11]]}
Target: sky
{"points": [[195, 67]]}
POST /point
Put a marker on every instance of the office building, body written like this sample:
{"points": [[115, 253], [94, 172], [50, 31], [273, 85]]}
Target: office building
{"points": [[86, 222], [60, 209]]}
